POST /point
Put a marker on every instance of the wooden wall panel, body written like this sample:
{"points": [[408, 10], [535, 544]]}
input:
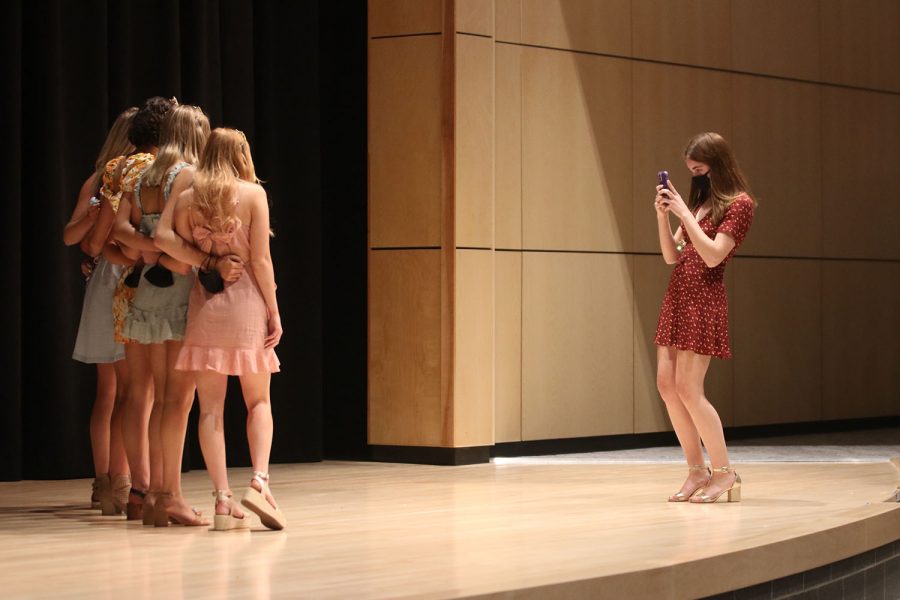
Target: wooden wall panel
{"points": [[576, 151], [508, 346], [405, 153], [473, 376], [585, 25], [861, 43], [777, 341], [474, 147], [860, 174], [475, 16], [508, 20], [508, 147], [405, 348], [402, 17], [577, 374], [861, 339], [778, 142], [690, 32], [671, 105], [776, 38], [651, 275]]}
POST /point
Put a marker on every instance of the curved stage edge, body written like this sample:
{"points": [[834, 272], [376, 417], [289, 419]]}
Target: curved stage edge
{"points": [[377, 530]]}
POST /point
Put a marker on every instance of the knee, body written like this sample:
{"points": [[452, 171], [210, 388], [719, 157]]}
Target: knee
{"points": [[666, 386], [258, 405], [687, 392], [211, 419]]}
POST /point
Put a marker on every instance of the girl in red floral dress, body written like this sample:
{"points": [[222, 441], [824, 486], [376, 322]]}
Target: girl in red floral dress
{"points": [[693, 321]]}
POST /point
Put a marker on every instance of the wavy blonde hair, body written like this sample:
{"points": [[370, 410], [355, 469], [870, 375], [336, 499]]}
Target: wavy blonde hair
{"points": [[726, 179], [116, 143], [225, 161], [183, 136]]}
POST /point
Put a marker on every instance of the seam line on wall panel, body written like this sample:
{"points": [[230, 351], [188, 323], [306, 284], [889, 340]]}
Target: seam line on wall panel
{"points": [[656, 61], [738, 257], [404, 35], [473, 248], [406, 248], [482, 35]]}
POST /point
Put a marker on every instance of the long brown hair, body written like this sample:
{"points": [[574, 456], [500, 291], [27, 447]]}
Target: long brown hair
{"points": [[182, 137], [116, 143], [225, 161], [727, 181]]}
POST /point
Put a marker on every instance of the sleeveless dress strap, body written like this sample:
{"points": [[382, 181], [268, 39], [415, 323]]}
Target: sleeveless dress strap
{"points": [[171, 178], [137, 193]]}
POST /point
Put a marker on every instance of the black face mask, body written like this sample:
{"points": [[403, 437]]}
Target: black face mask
{"points": [[701, 182]]}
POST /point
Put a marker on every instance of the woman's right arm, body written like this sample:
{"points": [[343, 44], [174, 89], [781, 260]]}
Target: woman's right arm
{"points": [[84, 215], [112, 252], [261, 261], [667, 241], [167, 239], [94, 242]]}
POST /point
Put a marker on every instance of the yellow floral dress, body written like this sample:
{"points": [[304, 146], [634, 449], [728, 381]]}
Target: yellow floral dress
{"points": [[134, 166]]}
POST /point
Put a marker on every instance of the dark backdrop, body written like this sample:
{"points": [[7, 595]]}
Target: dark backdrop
{"points": [[292, 76]]}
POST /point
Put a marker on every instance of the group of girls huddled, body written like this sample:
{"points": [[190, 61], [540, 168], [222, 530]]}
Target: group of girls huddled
{"points": [[180, 295]]}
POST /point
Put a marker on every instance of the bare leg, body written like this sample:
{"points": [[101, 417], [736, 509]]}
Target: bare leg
{"points": [[255, 388], [179, 396], [687, 433], [158, 367], [180, 387], [101, 416], [137, 415], [690, 371], [118, 460], [211, 388]]}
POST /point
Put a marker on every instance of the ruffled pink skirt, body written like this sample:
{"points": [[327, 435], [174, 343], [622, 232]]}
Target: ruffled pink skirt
{"points": [[226, 332]]}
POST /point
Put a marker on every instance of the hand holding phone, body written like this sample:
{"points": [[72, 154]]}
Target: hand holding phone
{"points": [[663, 178]]}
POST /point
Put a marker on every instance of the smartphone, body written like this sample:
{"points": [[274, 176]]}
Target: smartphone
{"points": [[94, 201], [663, 178]]}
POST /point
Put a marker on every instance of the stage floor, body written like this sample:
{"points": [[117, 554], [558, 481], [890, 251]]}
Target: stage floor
{"points": [[373, 530]]}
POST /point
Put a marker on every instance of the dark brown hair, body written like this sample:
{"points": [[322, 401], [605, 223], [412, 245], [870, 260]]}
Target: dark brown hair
{"points": [[727, 181]]}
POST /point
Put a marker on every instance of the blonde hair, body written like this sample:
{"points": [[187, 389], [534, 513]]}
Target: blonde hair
{"points": [[225, 161], [727, 181], [116, 143], [183, 135]]}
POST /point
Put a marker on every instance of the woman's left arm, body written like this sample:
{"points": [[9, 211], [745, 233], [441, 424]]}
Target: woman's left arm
{"points": [[712, 251]]}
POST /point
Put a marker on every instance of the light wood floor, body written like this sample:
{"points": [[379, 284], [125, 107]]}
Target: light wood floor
{"points": [[370, 530]]}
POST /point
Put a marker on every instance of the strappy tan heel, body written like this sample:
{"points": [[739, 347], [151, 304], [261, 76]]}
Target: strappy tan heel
{"points": [[121, 487], [162, 517], [133, 510], [255, 500], [684, 496], [147, 516], [99, 489], [112, 501], [228, 522], [734, 492]]}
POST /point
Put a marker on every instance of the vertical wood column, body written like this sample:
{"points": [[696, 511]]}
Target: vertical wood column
{"points": [[431, 230]]}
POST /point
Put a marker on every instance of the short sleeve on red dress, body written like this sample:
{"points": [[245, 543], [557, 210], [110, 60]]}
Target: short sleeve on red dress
{"points": [[737, 219]]}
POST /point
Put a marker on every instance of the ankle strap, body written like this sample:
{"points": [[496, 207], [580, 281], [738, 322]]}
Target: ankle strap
{"points": [[698, 468], [723, 469], [262, 477], [222, 495], [137, 492]]}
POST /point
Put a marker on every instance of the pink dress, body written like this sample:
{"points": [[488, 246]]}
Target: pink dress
{"points": [[226, 332]]}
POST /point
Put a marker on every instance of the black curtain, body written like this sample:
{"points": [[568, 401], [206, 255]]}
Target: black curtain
{"points": [[291, 75]]}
